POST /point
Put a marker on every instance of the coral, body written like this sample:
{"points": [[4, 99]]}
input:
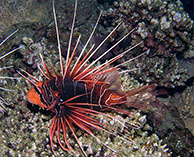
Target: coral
{"points": [[4, 72], [185, 106], [31, 51], [166, 31], [26, 133], [25, 130]]}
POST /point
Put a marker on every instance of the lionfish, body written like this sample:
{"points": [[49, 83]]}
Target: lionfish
{"points": [[2, 101], [82, 91]]}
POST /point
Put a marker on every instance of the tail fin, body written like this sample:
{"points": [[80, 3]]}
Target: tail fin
{"points": [[142, 97]]}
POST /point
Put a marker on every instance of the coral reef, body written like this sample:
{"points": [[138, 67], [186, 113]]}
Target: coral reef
{"points": [[168, 34], [3, 70], [185, 106], [166, 30], [26, 132], [26, 128]]}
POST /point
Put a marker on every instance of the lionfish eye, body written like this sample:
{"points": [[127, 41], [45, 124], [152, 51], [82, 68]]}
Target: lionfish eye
{"points": [[60, 100]]}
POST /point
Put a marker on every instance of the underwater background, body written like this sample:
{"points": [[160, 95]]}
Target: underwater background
{"points": [[165, 26]]}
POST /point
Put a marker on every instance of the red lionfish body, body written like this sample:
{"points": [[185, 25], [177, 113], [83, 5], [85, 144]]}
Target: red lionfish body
{"points": [[74, 95]]}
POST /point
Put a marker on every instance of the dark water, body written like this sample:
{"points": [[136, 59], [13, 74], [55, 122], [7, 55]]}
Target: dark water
{"points": [[189, 7]]}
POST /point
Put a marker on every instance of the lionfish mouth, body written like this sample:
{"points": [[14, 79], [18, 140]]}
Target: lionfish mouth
{"points": [[96, 86]]}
